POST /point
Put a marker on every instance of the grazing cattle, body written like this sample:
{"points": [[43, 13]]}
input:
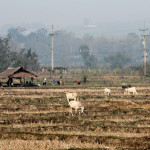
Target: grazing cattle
{"points": [[44, 81], [76, 105], [60, 83], [130, 90], [107, 91], [124, 86], [71, 96]]}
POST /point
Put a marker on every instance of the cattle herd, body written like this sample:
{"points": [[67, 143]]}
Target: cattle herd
{"points": [[74, 103], [104, 116]]}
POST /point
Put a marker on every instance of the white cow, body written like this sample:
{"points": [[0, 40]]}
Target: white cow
{"points": [[71, 96], [76, 105], [107, 91], [130, 90]]}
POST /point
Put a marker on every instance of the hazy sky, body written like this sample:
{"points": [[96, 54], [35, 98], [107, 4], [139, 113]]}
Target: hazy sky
{"points": [[73, 12]]}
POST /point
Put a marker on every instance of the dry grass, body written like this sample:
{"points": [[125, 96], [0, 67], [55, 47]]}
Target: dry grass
{"points": [[47, 145], [126, 105], [41, 115]]}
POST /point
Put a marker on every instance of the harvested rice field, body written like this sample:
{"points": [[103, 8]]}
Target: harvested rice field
{"points": [[39, 119]]}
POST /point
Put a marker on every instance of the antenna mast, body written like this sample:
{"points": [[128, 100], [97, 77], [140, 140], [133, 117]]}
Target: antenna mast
{"points": [[144, 35]]}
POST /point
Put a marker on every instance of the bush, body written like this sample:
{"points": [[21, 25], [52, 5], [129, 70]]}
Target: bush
{"points": [[84, 78]]}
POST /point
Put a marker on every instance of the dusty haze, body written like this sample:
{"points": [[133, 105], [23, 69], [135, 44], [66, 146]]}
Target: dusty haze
{"points": [[131, 13]]}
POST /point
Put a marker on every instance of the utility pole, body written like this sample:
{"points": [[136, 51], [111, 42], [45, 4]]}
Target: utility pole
{"points": [[144, 35], [52, 34]]}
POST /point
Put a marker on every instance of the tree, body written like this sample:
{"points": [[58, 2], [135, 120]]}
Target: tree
{"points": [[117, 60], [24, 58], [27, 59], [84, 78], [6, 56], [50, 71], [90, 61], [66, 44], [84, 52]]}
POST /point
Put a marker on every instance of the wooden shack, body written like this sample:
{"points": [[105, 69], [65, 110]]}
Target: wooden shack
{"points": [[17, 73]]}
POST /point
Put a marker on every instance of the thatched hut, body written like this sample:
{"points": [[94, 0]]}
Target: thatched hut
{"points": [[17, 73]]}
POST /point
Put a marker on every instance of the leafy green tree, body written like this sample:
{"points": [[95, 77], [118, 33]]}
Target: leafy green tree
{"points": [[27, 59], [32, 61], [6, 56]]}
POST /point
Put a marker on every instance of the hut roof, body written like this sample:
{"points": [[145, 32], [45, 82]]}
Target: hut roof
{"points": [[19, 72]]}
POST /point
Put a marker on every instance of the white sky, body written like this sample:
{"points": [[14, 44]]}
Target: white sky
{"points": [[73, 12]]}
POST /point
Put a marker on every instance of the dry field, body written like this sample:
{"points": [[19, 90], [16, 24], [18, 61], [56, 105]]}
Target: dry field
{"points": [[38, 119]]}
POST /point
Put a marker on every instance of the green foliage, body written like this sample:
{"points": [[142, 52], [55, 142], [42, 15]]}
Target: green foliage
{"points": [[84, 97], [84, 78], [51, 98], [50, 71], [117, 60], [90, 61], [7, 58], [116, 70], [61, 71], [66, 47], [26, 59], [147, 75], [38, 80], [147, 69]]}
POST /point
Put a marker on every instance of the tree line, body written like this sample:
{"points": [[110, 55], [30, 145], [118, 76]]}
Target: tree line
{"points": [[88, 51], [23, 58]]}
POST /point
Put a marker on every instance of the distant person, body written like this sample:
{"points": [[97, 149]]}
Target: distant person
{"points": [[27, 83], [10, 82], [54, 81], [44, 81], [30, 84], [78, 82], [1, 84], [58, 82]]}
